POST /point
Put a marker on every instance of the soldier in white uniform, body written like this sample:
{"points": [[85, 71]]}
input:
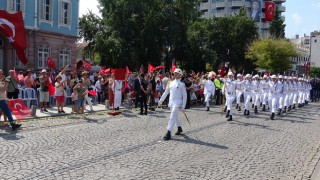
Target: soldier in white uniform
{"points": [[286, 93], [308, 90], [117, 94], [209, 90], [247, 94], [281, 95], [229, 88], [273, 95], [177, 100], [295, 97], [255, 92], [264, 91], [239, 91], [300, 91]]}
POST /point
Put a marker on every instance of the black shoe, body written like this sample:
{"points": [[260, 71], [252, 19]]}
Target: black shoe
{"points": [[245, 112], [179, 131], [239, 109], [294, 106], [261, 104], [284, 110], [237, 106], [279, 113], [15, 126], [59, 111], [62, 111], [272, 116], [264, 108], [230, 118], [45, 110], [299, 105], [225, 109], [248, 112], [289, 108], [208, 109], [228, 114], [167, 136], [252, 106], [256, 109]]}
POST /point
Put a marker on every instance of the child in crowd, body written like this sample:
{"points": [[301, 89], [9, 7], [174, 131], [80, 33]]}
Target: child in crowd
{"points": [[81, 93]]}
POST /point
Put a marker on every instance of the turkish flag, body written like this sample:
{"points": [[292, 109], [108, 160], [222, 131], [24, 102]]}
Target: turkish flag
{"points": [[15, 72], [92, 92], [19, 108], [51, 63], [173, 67], [160, 67], [127, 70], [51, 89], [108, 71], [12, 26], [270, 9], [86, 66], [120, 74], [151, 68]]}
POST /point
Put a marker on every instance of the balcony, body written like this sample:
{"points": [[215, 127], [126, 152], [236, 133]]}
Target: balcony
{"points": [[219, 14], [282, 8], [221, 5], [204, 6], [237, 4]]}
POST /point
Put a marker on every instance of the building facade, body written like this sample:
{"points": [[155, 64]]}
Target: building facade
{"points": [[51, 28], [315, 49], [220, 8], [302, 46]]}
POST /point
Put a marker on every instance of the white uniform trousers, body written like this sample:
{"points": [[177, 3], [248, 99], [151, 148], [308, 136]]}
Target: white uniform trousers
{"points": [[295, 98], [229, 99], [308, 95], [247, 97], [174, 118], [207, 98], [274, 99], [255, 98], [291, 98], [117, 98], [286, 102], [281, 100], [264, 97], [301, 96], [238, 93]]}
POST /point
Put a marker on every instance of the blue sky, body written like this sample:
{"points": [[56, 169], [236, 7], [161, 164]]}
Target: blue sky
{"points": [[301, 16]]}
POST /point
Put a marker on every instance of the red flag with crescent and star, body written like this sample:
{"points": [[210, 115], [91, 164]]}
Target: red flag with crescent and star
{"points": [[51, 63], [127, 70], [12, 26], [151, 68], [173, 67], [86, 66], [19, 108], [270, 9]]}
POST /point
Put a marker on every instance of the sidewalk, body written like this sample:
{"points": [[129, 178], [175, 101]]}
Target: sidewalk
{"points": [[53, 112]]}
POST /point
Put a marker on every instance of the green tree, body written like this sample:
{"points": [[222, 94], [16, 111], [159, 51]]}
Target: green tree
{"points": [[272, 54], [231, 37], [314, 72], [277, 26]]}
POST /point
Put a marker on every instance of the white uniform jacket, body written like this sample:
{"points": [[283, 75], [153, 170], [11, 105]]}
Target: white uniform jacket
{"points": [[178, 94], [209, 87]]}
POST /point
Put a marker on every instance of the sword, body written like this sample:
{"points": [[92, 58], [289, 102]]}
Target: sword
{"points": [[185, 115]]}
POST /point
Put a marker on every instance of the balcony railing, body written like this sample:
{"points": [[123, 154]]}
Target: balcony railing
{"points": [[220, 5]]}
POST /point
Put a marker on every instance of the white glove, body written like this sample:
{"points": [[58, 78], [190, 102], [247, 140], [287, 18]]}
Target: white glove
{"points": [[160, 103], [181, 108]]}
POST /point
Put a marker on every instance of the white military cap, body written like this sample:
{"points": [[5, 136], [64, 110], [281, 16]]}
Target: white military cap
{"points": [[273, 77], [248, 76], [280, 77], [179, 71], [230, 73]]}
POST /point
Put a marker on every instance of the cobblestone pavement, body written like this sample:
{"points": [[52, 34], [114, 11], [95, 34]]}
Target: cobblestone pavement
{"points": [[130, 146]]}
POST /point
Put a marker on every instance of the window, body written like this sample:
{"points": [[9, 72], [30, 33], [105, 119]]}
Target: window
{"points": [[16, 5], [46, 10], [64, 57], [65, 13], [43, 53]]}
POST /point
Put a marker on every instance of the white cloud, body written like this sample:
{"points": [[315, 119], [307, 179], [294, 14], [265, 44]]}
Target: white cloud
{"points": [[296, 18], [317, 5]]}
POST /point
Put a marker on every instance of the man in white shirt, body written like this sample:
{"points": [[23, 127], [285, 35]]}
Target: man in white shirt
{"points": [[209, 90]]}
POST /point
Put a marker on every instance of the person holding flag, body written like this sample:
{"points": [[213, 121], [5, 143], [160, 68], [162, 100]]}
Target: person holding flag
{"points": [[44, 90], [3, 101], [177, 101]]}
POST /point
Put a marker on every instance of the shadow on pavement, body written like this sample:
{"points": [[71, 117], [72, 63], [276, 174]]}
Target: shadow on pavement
{"points": [[187, 139]]}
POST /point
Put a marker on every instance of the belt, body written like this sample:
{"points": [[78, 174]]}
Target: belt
{"points": [[230, 92], [118, 89]]}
